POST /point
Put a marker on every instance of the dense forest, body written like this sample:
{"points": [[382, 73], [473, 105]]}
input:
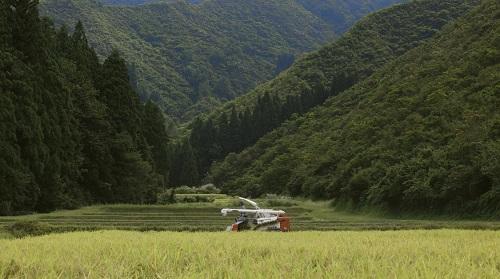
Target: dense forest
{"points": [[371, 43], [400, 112], [342, 14], [421, 134], [190, 58], [72, 130]]}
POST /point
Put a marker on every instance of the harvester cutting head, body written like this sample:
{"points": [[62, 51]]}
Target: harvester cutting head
{"points": [[257, 218]]}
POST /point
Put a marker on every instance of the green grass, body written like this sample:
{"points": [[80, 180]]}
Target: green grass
{"points": [[306, 215], [368, 254]]}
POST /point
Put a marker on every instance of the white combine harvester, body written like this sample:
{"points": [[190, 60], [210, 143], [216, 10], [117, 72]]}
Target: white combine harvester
{"points": [[258, 218]]}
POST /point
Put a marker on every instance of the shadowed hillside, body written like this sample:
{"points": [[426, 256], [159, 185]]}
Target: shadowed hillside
{"points": [[422, 133], [374, 41]]}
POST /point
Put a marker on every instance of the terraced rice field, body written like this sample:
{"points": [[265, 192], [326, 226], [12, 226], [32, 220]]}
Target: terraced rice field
{"points": [[169, 218], [207, 217]]}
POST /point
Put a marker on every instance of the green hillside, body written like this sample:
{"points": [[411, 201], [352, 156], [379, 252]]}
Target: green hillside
{"points": [[342, 14], [189, 58], [374, 41], [422, 133]]}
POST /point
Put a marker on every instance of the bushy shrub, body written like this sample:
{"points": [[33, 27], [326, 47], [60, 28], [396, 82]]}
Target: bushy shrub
{"points": [[185, 190], [166, 197], [194, 198], [28, 228], [208, 189], [205, 189]]}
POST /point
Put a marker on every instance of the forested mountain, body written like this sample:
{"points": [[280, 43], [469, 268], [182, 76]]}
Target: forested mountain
{"points": [[342, 14], [374, 41], [410, 121], [72, 130], [421, 134], [188, 58]]}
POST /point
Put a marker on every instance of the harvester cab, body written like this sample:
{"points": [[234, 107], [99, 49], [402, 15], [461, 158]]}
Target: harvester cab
{"points": [[258, 218]]}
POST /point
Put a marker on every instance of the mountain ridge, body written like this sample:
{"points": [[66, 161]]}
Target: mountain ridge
{"points": [[190, 58], [372, 42], [421, 134]]}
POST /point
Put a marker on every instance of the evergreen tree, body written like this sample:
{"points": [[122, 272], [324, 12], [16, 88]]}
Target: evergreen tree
{"points": [[156, 136], [26, 36], [246, 128], [189, 172], [224, 134], [135, 179], [6, 24], [184, 168], [202, 137], [18, 190], [122, 102], [234, 127], [85, 57], [71, 130]]}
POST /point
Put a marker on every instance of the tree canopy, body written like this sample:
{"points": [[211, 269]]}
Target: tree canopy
{"points": [[72, 130]]}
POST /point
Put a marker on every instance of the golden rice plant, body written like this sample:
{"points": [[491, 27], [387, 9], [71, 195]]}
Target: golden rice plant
{"points": [[367, 254]]}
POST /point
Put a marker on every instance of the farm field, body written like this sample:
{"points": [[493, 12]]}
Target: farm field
{"points": [[347, 254], [306, 215]]}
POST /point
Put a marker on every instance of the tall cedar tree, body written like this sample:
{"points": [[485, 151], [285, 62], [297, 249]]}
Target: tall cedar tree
{"points": [[72, 131]]}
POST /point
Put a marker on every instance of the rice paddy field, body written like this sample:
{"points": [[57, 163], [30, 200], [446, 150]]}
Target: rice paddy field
{"points": [[306, 216], [346, 254], [187, 240]]}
